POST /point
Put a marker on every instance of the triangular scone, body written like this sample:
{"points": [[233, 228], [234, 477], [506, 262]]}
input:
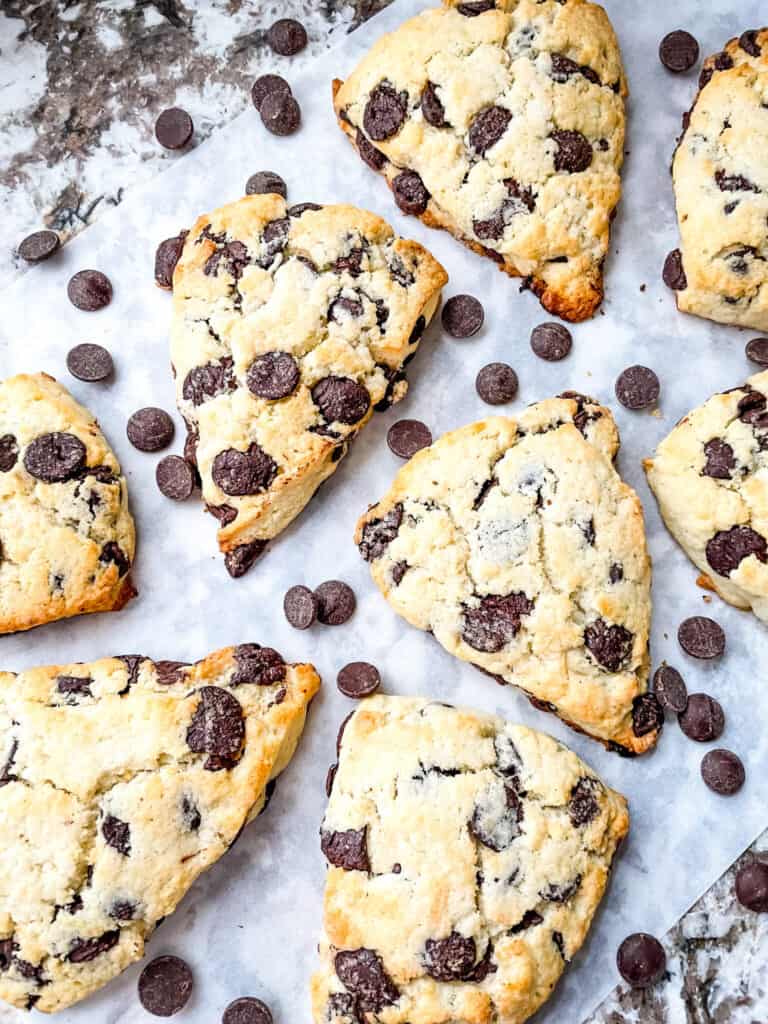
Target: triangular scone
{"points": [[504, 124], [720, 174], [122, 781], [290, 327], [67, 539], [518, 546], [708, 476], [467, 859]]}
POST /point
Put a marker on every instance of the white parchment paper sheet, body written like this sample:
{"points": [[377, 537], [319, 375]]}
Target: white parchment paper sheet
{"points": [[250, 926]]}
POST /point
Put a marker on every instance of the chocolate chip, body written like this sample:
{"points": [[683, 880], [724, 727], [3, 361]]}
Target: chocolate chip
{"points": [[39, 246], [117, 834], [330, 776], [475, 7], [462, 316], [529, 920], [678, 51], [266, 84], [358, 679], [362, 973], [224, 513], [273, 375], [757, 351], [247, 1010], [122, 910], [209, 381], [611, 646], [257, 665], [167, 255], [583, 806], [641, 960], [487, 128], [496, 383], [752, 886], [385, 112], [287, 37], [723, 771], [341, 400], [720, 459], [336, 603], [150, 429], [174, 128], [551, 341], [406, 437], [574, 152], [9, 453], [112, 552], [54, 458], [369, 154], [169, 672], [410, 193], [432, 106], [670, 689], [241, 558], [165, 986], [240, 473], [564, 68], [495, 621], [673, 273], [300, 607], [749, 44], [647, 714], [734, 182], [265, 182], [342, 304], [280, 113], [728, 549], [217, 728], [347, 850], [701, 637], [703, 719], [82, 951], [175, 477], [554, 893], [616, 573], [89, 290], [496, 818], [78, 685], [637, 387], [450, 959], [378, 533], [132, 664], [89, 362]]}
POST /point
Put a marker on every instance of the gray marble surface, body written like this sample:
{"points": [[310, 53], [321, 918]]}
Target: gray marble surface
{"points": [[80, 88]]}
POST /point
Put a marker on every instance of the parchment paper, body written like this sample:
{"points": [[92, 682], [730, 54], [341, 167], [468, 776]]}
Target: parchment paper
{"points": [[250, 925]]}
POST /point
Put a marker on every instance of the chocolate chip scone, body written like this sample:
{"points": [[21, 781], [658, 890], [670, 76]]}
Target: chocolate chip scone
{"points": [[290, 327], [467, 859], [101, 839], [720, 174], [67, 538], [518, 546], [504, 124], [708, 477]]}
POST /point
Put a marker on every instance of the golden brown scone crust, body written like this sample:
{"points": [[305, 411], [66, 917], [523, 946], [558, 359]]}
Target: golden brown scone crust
{"points": [[341, 297], [67, 538], [467, 857], [108, 814], [517, 544], [553, 67]]}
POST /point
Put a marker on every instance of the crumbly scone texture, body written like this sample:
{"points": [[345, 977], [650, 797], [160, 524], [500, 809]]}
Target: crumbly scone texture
{"points": [[503, 124], [290, 326], [467, 857], [101, 838], [518, 546], [720, 173], [710, 478], [67, 538]]}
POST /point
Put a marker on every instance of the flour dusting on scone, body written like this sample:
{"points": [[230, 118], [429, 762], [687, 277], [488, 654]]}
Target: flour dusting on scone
{"points": [[467, 857], [121, 781], [502, 123], [518, 546], [290, 326], [720, 173], [708, 477], [67, 538]]}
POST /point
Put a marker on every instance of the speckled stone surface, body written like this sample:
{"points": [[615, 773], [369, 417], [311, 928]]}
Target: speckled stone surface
{"points": [[80, 88]]}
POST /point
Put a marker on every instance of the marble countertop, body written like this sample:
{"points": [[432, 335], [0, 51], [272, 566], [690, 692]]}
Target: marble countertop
{"points": [[81, 85]]}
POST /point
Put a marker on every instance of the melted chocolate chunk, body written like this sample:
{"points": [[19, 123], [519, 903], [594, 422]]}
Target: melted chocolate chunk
{"points": [[240, 559], [385, 112], [450, 959], [241, 473], [410, 192], [9, 453], [347, 850], [203, 383], [720, 459], [749, 44], [117, 834], [734, 182], [217, 728], [113, 554], [82, 951], [370, 155], [554, 893], [564, 68], [583, 805], [261, 666], [610, 646], [574, 151], [362, 973], [55, 458], [495, 621], [673, 273], [647, 714], [495, 821], [487, 128], [432, 107], [341, 400], [728, 548]]}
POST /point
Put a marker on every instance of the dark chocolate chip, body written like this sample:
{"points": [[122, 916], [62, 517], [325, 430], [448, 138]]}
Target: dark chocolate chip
{"points": [[82, 951], [240, 473], [209, 381], [362, 973], [330, 776], [450, 959], [265, 182], [749, 44], [347, 850], [554, 893], [378, 533], [150, 429], [39, 246], [273, 375], [170, 672], [720, 459], [641, 960], [406, 437], [487, 128], [432, 106], [247, 1010], [495, 621], [647, 714], [462, 316], [385, 112], [165, 986], [217, 728], [637, 387], [300, 607], [723, 771], [341, 400], [752, 886], [583, 805], [678, 51], [174, 128], [117, 834], [496, 383], [175, 477], [701, 637], [410, 193], [611, 646], [616, 573], [370, 155], [757, 351], [728, 549], [280, 113], [336, 603], [358, 679], [89, 362], [89, 290], [573, 153], [673, 273], [472, 8], [167, 255], [266, 84], [240, 559], [287, 37], [54, 458], [9, 453], [703, 719], [551, 341], [74, 685], [564, 68], [121, 910], [257, 665], [734, 182], [113, 553], [670, 689], [494, 826], [529, 920]]}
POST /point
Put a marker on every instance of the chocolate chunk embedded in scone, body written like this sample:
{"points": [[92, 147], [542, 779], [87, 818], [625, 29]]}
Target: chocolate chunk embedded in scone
{"points": [[67, 538], [707, 478], [102, 838], [291, 326], [720, 173], [502, 123], [466, 859], [518, 546]]}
